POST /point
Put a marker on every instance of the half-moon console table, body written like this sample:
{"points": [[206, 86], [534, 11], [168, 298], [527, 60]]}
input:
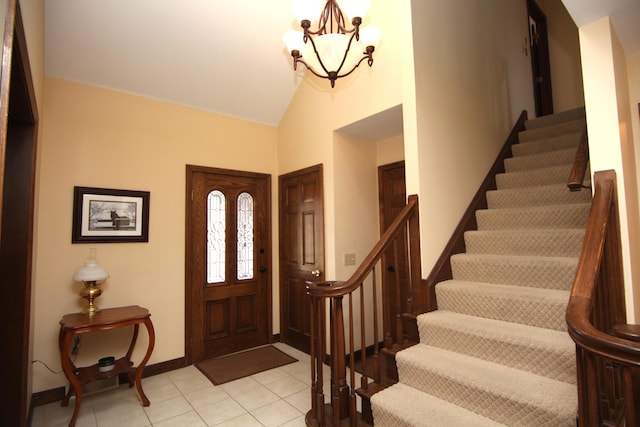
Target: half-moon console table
{"points": [[109, 318]]}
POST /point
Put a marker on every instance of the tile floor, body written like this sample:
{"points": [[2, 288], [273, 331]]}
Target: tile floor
{"points": [[185, 397]]}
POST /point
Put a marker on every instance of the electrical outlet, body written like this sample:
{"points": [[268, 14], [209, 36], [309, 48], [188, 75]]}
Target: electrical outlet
{"points": [[349, 259]]}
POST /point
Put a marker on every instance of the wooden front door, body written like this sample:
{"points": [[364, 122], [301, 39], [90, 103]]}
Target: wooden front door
{"points": [[301, 251], [393, 198], [228, 260]]}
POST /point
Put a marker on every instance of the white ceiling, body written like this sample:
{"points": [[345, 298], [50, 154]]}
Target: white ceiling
{"points": [[624, 14], [223, 56]]}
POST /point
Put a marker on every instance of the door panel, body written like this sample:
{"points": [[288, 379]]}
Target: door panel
{"points": [[302, 251], [228, 258]]}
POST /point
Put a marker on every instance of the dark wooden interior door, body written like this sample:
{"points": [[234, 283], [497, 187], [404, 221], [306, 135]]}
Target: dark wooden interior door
{"points": [[301, 251], [228, 261], [393, 198], [540, 62]]}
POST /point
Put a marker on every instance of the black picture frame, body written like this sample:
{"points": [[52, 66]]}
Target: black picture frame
{"points": [[107, 215]]}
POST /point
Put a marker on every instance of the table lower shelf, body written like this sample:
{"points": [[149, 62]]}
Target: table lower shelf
{"points": [[91, 373]]}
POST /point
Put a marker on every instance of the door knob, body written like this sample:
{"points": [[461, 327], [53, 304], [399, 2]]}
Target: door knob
{"points": [[315, 273]]}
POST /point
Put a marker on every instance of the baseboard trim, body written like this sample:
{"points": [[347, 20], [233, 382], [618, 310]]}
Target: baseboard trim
{"points": [[57, 394]]}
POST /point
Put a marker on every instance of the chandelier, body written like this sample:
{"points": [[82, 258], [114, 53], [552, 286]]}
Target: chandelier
{"points": [[332, 50]]}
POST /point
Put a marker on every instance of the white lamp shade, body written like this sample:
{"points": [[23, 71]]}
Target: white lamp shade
{"points": [[307, 9], [90, 272], [354, 8], [294, 40], [370, 36]]}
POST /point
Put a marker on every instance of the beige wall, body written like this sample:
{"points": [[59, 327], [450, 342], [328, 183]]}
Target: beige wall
{"points": [[564, 56], [472, 81], [607, 103], [101, 138], [306, 133]]}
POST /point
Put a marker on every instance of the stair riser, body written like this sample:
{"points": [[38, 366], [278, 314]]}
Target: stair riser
{"points": [[536, 196], [536, 161], [551, 131], [562, 243], [569, 216], [533, 178], [525, 272], [554, 119], [560, 142], [546, 311], [549, 361]]}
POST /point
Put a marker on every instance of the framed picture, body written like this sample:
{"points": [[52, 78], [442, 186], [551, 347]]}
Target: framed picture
{"points": [[104, 215]]}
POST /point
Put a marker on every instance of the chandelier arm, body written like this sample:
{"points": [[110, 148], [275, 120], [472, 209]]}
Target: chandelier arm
{"points": [[370, 62]]}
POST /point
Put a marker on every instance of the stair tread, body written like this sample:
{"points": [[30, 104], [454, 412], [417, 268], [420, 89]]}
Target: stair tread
{"points": [[455, 376], [404, 406]]}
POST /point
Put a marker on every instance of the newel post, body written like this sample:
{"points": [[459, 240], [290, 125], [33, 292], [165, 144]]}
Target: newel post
{"points": [[339, 387]]}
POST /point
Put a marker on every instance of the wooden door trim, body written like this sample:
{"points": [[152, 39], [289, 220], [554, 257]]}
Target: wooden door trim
{"points": [[190, 171], [18, 150]]}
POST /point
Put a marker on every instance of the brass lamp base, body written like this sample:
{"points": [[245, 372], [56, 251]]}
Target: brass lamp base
{"points": [[90, 292]]}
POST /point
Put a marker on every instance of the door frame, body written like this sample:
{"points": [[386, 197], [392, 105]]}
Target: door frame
{"points": [[18, 150], [542, 91], [190, 171]]}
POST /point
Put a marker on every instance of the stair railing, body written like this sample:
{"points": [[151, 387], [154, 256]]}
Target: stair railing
{"points": [[580, 164], [607, 349], [361, 315]]}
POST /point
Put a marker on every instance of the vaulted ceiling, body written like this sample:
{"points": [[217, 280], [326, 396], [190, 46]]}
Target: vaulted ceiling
{"points": [[220, 56]]}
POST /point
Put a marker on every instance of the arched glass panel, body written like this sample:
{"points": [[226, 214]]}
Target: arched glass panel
{"points": [[245, 236], [216, 227]]}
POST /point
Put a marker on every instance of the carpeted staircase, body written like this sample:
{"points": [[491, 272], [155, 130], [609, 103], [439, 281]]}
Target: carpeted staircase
{"points": [[496, 351]]}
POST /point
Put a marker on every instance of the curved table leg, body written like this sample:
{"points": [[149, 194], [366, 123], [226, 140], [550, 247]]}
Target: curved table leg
{"points": [[140, 368], [69, 370]]}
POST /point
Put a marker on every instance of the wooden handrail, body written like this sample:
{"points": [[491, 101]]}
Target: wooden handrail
{"points": [[331, 289], [359, 295], [580, 163], [608, 366]]}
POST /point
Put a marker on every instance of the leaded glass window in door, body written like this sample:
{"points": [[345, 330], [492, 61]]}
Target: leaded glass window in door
{"points": [[216, 237], [245, 236]]}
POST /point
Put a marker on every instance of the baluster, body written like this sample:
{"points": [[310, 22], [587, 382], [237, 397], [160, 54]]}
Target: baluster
{"points": [[377, 374], [340, 389], [352, 376], [364, 384]]}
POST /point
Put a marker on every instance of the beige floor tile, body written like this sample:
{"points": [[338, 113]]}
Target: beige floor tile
{"points": [[166, 409], [190, 419], [276, 413], [206, 396], [221, 411], [256, 397], [245, 420]]}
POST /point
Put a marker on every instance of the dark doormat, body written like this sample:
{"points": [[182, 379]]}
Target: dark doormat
{"points": [[223, 369]]}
